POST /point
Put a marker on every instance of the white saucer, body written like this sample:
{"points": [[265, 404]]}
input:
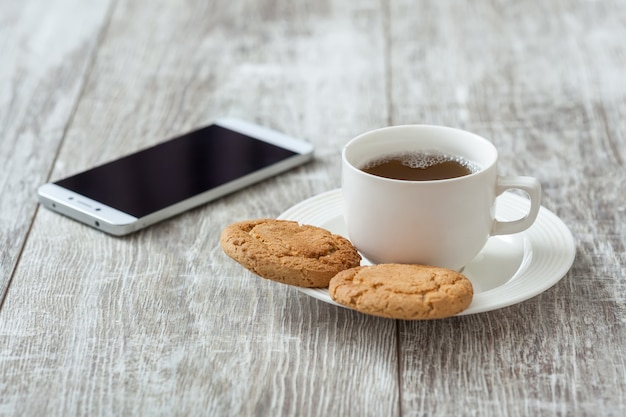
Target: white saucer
{"points": [[509, 269]]}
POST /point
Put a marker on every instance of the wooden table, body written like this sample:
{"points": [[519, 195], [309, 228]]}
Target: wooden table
{"points": [[163, 323]]}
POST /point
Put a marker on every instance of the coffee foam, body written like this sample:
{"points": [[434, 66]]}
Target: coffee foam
{"points": [[422, 160]]}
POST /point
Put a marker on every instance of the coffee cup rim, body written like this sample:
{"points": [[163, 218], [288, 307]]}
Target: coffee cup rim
{"points": [[492, 158]]}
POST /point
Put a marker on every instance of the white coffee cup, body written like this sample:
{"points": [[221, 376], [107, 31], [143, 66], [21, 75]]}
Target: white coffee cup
{"points": [[438, 222]]}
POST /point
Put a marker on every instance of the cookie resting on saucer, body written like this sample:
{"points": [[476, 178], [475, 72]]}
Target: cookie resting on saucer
{"points": [[409, 292], [287, 252]]}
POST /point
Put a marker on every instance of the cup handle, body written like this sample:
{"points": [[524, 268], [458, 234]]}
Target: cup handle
{"points": [[532, 188]]}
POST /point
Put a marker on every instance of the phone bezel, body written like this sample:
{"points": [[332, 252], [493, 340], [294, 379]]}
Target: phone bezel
{"points": [[119, 223]]}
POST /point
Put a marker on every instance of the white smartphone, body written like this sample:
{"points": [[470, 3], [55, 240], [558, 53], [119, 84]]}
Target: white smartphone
{"points": [[162, 181]]}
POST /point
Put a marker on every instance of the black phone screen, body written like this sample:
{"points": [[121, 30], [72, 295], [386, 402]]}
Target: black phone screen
{"points": [[175, 170]]}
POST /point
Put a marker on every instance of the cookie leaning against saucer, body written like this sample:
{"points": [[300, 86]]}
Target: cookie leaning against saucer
{"points": [[287, 252], [409, 292]]}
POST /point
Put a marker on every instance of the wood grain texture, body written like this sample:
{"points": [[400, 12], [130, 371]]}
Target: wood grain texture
{"points": [[163, 323], [46, 51], [544, 81]]}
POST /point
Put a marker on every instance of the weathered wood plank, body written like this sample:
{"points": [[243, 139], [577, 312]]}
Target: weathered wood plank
{"points": [[543, 80], [162, 322], [46, 49]]}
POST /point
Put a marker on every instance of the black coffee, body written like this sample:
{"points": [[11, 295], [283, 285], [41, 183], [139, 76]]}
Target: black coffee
{"points": [[420, 166]]}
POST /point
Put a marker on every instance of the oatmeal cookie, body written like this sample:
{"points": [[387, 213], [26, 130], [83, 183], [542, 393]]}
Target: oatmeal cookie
{"points": [[410, 292], [287, 252]]}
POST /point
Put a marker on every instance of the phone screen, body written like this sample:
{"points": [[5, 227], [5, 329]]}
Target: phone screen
{"points": [[165, 174]]}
